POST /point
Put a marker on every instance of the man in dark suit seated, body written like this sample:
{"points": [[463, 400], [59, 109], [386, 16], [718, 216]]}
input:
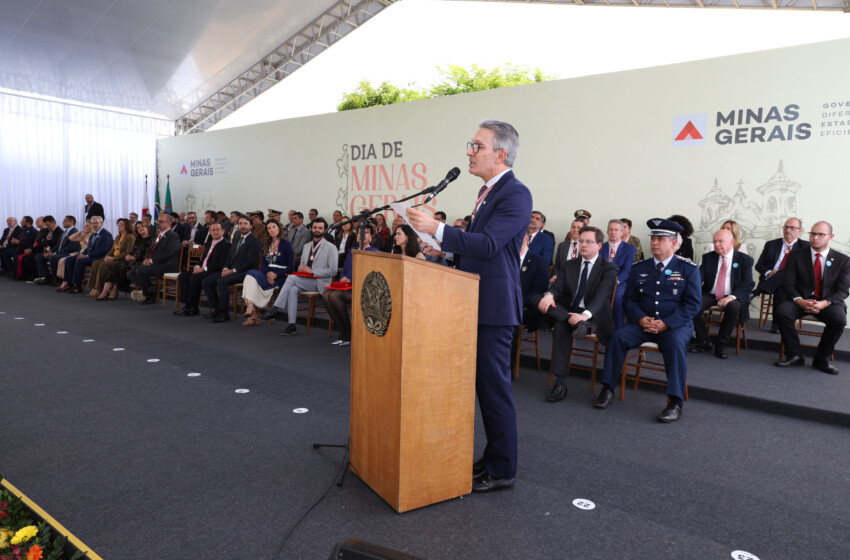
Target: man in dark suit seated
{"points": [[533, 280], [661, 300], [47, 248], [771, 263], [817, 281], [47, 238], [727, 280], [244, 255], [47, 262], [579, 300], [538, 242], [623, 255], [162, 258], [490, 247], [567, 249], [21, 247], [212, 262], [100, 242]]}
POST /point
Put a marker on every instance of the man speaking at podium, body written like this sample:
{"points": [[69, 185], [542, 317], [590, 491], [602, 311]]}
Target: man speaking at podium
{"points": [[490, 247]]}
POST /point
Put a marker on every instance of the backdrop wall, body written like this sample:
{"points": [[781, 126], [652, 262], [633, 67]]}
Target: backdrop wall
{"points": [[755, 137]]}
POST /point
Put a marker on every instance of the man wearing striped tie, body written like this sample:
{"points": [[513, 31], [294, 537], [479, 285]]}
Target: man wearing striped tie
{"points": [[727, 280]]}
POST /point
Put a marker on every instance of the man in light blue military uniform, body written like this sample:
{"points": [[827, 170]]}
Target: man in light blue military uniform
{"points": [[661, 300]]}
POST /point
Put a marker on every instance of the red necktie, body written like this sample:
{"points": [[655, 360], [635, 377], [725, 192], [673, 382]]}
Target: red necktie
{"points": [[818, 277], [720, 289], [785, 257]]}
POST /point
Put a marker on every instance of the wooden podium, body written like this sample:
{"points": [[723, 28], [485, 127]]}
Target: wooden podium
{"points": [[413, 389]]}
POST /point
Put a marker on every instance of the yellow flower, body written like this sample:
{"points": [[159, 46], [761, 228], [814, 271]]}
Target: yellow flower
{"points": [[24, 534], [4, 537]]}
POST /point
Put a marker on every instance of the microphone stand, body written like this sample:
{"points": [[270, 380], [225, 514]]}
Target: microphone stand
{"points": [[362, 219]]}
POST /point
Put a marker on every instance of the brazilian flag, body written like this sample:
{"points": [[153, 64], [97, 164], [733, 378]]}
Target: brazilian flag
{"points": [[156, 207]]}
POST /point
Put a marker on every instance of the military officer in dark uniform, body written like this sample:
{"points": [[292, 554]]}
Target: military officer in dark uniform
{"points": [[661, 300]]}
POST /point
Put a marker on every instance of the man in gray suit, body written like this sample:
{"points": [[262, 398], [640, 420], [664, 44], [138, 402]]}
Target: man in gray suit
{"points": [[298, 235]]}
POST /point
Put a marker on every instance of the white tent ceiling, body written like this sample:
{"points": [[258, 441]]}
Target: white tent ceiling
{"points": [[195, 61]]}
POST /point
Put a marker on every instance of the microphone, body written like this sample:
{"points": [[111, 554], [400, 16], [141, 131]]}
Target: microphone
{"points": [[450, 176]]}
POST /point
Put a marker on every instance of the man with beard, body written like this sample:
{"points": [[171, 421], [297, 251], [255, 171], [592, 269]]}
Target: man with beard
{"points": [[244, 256], [319, 264]]}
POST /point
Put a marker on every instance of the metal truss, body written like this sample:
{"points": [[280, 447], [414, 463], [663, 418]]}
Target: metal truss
{"points": [[829, 5], [335, 23]]}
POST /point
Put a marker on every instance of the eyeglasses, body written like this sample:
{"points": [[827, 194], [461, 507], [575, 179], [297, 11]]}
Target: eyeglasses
{"points": [[475, 147], [818, 234]]}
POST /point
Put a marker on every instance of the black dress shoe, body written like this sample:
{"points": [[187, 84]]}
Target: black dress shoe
{"points": [[181, 311], [605, 398], [774, 329], [222, 318], [486, 483], [720, 352], [558, 393], [824, 366], [191, 311], [672, 413], [700, 346], [582, 329], [148, 301], [212, 314], [791, 361], [289, 330], [479, 468], [269, 314]]}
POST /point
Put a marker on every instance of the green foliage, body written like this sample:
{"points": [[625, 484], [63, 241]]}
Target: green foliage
{"points": [[460, 80], [385, 94], [455, 79]]}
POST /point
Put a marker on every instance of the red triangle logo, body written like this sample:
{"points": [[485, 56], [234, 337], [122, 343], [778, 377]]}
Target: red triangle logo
{"points": [[689, 130], [184, 171]]}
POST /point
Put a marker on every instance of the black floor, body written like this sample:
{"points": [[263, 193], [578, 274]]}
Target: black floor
{"points": [[141, 461]]}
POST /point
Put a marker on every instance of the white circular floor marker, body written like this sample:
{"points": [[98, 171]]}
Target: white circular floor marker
{"points": [[19, 318], [61, 332], [193, 374], [242, 391], [89, 340], [743, 555], [300, 410], [117, 349], [153, 360], [581, 503], [39, 325]]}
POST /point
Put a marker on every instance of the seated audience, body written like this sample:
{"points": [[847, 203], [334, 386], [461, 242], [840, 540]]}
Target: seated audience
{"points": [[8, 256], [117, 276], [817, 281], [345, 240], [771, 263], [406, 242], [163, 257], [337, 301], [244, 255], [686, 248], [24, 248], [727, 280], [540, 243], [579, 301], [568, 248], [533, 280], [298, 234], [56, 247], [731, 225], [317, 269], [623, 255], [383, 232], [12, 230], [195, 232], [81, 241], [98, 246], [278, 261], [630, 239], [190, 282], [121, 247]]}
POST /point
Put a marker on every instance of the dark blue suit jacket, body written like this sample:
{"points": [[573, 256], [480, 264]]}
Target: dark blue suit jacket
{"points": [[544, 246], [490, 248], [101, 245], [534, 280], [8, 235], [624, 259], [770, 254], [27, 240]]}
